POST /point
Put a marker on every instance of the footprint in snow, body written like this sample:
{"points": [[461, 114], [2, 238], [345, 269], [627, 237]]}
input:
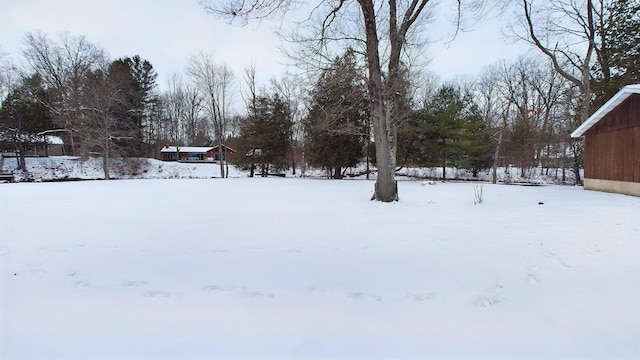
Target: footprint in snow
{"points": [[491, 297], [531, 275], [420, 297], [214, 288], [133, 283], [243, 291], [487, 301], [532, 279], [37, 271], [365, 296], [81, 284], [157, 294], [257, 294]]}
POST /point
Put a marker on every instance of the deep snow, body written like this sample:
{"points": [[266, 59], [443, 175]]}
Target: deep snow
{"points": [[301, 268]]}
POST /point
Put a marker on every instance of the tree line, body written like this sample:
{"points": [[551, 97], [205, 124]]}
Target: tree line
{"points": [[513, 114], [70, 88]]}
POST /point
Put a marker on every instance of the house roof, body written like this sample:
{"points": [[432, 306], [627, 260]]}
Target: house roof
{"points": [[225, 146], [192, 149], [187, 149], [616, 100]]}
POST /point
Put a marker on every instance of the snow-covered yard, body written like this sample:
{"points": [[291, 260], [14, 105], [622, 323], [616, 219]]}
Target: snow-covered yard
{"points": [[301, 268]]}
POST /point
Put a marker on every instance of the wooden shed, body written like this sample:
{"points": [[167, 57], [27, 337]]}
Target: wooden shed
{"points": [[612, 144]]}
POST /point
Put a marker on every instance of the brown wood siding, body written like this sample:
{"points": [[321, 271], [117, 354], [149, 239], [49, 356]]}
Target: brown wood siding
{"points": [[612, 146]]}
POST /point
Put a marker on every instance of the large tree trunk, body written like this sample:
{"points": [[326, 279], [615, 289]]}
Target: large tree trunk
{"points": [[386, 188]]}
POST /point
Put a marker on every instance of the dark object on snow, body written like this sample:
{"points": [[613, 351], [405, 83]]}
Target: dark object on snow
{"points": [[540, 203]]}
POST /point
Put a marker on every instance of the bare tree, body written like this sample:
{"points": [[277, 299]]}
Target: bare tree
{"points": [[9, 76], [214, 83], [251, 95], [495, 111], [566, 32], [402, 17], [251, 102], [102, 93], [183, 112], [63, 66], [290, 89], [526, 104]]}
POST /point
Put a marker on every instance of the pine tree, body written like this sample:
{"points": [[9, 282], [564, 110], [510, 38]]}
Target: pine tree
{"points": [[137, 80], [265, 136], [477, 147], [618, 50], [441, 126], [337, 124]]}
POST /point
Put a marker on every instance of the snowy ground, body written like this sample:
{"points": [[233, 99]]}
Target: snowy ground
{"points": [[301, 268], [57, 168]]}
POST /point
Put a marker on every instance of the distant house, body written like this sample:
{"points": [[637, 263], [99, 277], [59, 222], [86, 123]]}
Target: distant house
{"points": [[612, 144], [195, 153]]}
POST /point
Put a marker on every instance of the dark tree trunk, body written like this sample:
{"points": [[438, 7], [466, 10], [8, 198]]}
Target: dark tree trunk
{"points": [[337, 172]]}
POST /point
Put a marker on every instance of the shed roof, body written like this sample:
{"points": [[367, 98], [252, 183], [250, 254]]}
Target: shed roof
{"points": [[616, 100]]}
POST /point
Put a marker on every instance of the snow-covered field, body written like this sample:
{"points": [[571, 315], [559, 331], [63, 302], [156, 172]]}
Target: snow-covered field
{"points": [[302, 268]]}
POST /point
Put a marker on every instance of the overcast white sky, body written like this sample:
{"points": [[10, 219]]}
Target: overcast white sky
{"points": [[168, 32]]}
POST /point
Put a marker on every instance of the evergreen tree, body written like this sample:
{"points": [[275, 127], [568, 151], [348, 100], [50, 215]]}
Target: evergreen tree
{"points": [[265, 136], [336, 126], [441, 127], [137, 82], [618, 50], [477, 148]]}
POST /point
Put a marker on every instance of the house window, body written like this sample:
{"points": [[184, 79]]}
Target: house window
{"points": [[172, 156]]}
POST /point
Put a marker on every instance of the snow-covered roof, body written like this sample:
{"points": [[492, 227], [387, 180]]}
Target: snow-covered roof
{"points": [[225, 146], [51, 139], [192, 149], [55, 140], [187, 149], [616, 100]]}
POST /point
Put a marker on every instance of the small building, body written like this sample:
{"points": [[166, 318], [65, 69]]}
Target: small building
{"points": [[612, 144], [53, 146], [195, 153]]}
